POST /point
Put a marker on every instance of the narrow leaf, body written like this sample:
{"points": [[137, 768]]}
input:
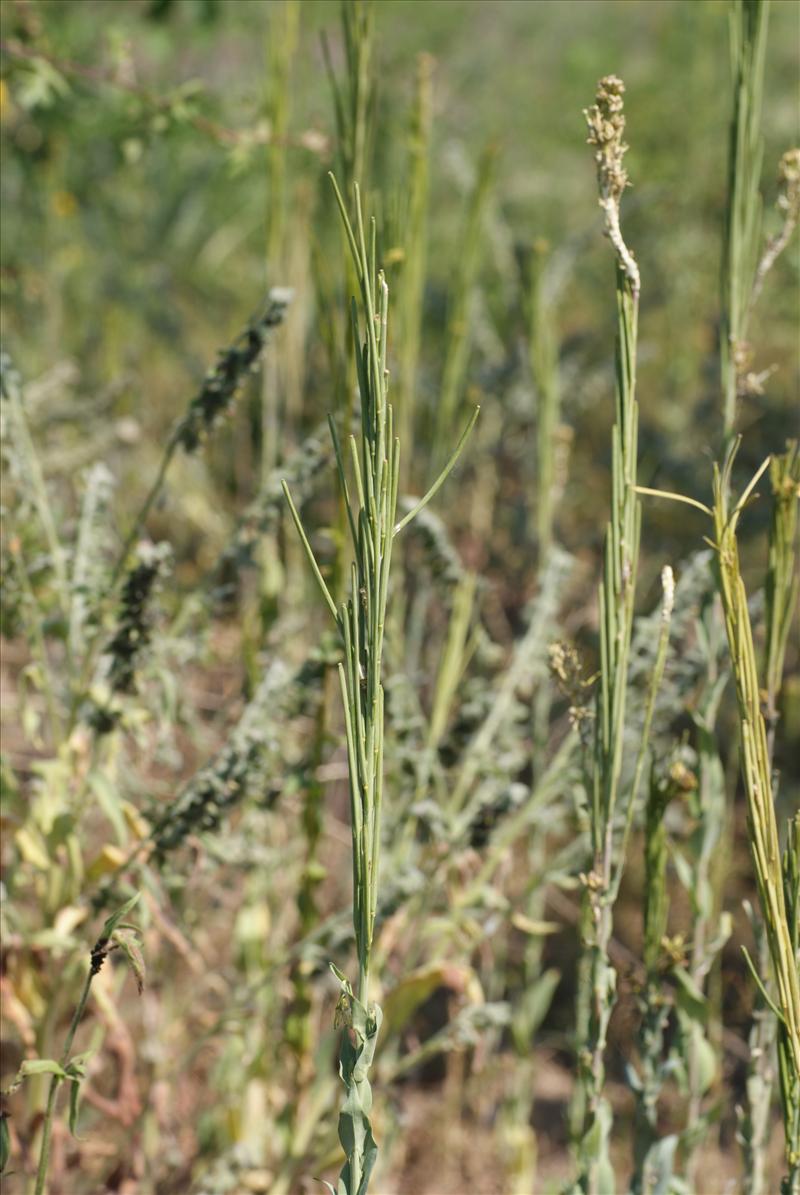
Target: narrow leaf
{"points": [[113, 921], [442, 476]]}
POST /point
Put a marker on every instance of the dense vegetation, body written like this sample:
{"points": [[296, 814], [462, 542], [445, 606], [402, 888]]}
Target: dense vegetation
{"points": [[400, 674]]}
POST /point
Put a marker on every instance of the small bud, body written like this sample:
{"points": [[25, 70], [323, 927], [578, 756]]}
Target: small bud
{"points": [[668, 586]]}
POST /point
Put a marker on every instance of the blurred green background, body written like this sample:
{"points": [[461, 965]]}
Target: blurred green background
{"points": [[135, 190]]}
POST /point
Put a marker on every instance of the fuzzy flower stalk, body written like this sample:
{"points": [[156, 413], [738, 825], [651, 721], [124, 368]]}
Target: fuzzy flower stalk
{"points": [[369, 489], [213, 400], [606, 121], [608, 810]]}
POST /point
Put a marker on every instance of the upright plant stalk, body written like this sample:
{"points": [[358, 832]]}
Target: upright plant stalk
{"points": [[55, 1082], [116, 934], [412, 277], [748, 27], [654, 1006], [371, 511], [755, 1116], [353, 99], [281, 47], [616, 601], [11, 393], [550, 447], [360, 620], [457, 356], [783, 582], [543, 350], [743, 275], [353, 95], [781, 597], [774, 882], [708, 810], [789, 1076]]}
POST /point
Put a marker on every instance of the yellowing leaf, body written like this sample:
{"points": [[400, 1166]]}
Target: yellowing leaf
{"points": [[31, 846], [402, 1001], [252, 923], [137, 825], [107, 861], [536, 929], [69, 918]]}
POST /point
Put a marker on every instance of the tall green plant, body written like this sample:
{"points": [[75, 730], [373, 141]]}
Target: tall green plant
{"points": [[354, 96], [281, 47], [616, 602], [459, 302], [543, 355], [748, 26], [361, 619], [412, 276]]}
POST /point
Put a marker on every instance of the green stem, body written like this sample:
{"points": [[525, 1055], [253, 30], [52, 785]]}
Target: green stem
{"points": [[144, 511], [748, 26], [55, 1081]]}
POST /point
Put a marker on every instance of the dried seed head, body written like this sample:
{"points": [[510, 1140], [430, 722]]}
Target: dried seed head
{"points": [[606, 122], [789, 183]]}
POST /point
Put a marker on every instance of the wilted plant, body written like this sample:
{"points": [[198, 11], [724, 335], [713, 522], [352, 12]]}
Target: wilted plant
{"points": [[745, 266], [774, 876], [781, 933]]}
